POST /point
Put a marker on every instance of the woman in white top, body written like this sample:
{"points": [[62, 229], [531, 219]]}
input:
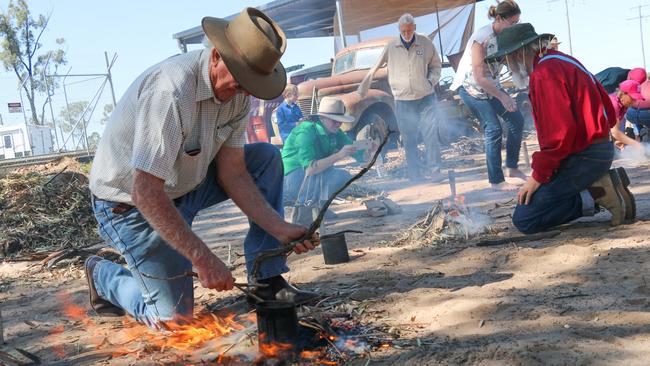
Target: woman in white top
{"points": [[479, 88]]}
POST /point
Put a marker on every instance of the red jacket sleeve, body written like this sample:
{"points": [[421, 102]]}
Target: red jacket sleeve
{"points": [[554, 120]]}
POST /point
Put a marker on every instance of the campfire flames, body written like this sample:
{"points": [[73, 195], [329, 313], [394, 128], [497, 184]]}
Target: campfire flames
{"points": [[275, 350], [207, 333]]}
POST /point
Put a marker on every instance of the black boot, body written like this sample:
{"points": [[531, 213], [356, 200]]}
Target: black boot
{"points": [[280, 290]]}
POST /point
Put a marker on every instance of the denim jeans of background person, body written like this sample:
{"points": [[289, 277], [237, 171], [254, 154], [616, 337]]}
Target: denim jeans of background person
{"points": [[566, 197], [147, 255], [305, 193], [488, 112], [640, 117], [309, 155], [415, 117], [479, 87]]}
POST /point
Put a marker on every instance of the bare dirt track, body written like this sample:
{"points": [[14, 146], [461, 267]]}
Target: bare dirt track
{"points": [[579, 298]]}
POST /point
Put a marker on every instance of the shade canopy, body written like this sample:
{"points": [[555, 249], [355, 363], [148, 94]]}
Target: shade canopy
{"points": [[317, 18]]}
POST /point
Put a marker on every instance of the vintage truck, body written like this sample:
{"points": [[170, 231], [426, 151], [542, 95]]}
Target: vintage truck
{"points": [[376, 110], [349, 67]]}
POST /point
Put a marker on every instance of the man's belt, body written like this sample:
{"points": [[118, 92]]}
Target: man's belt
{"points": [[120, 208], [601, 140]]}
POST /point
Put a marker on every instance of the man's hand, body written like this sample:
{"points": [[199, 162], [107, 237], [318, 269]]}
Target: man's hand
{"points": [[527, 190], [508, 103], [213, 273], [290, 232]]}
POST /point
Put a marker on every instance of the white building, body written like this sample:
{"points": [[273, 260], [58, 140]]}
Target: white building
{"points": [[25, 140]]}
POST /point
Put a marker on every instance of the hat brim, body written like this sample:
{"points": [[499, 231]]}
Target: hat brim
{"points": [[636, 96], [263, 86], [344, 118], [508, 50]]}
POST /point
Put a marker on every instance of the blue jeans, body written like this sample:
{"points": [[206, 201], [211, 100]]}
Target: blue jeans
{"points": [[488, 111], [414, 117], [565, 198], [314, 190], [638, 116], [152, 300]]}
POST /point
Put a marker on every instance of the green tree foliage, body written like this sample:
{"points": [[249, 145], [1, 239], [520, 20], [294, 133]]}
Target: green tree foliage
{"points": [[20, 52]]}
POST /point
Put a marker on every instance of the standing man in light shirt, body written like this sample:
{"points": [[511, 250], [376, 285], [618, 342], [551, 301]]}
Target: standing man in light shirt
{"points": [[175, 145], [413, 71]]}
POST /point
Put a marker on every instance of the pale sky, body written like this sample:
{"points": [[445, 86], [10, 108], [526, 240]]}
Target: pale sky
{"points": [[140, 32]]}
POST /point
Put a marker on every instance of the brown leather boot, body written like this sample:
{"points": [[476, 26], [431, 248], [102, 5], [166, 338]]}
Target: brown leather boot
{"points": [[606, 195], [102, 307], [622, 186]]}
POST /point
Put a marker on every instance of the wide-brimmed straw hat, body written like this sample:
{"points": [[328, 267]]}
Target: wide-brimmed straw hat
{"points": [[251, 46], [515, 37], [334, 108]]}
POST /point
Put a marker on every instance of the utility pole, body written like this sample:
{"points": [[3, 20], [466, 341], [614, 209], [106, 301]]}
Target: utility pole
{"points": [[568, 22], [641, 17], [339, 17], [109, 76]]}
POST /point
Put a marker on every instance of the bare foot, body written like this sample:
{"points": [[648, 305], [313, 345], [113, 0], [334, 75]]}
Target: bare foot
{"points": [[505, 186], [515, 173]]}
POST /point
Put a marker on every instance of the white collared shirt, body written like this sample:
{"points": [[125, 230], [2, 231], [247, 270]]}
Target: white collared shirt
{"points": [[169, 111]]}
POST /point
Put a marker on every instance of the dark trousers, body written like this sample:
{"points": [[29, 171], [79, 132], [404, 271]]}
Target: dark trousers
{"points": [[638, 116], [419, 116], [565, 197]]}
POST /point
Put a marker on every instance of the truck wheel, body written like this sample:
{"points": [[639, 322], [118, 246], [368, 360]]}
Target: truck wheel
{"points": [[374, 127]]}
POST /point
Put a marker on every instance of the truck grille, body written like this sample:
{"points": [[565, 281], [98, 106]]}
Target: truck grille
{"points": [[305, 106]]}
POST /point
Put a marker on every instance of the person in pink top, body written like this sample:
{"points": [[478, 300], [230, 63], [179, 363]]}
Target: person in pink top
{"points": [[628, 93], [639, 112]]}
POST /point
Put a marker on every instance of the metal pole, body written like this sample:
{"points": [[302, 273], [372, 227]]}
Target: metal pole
{"points": [[339, 16], [568, 22], [108, 75], [568, 25], [67, 110], [22, 104], [642, 42], [49, 99], [442, 56]]}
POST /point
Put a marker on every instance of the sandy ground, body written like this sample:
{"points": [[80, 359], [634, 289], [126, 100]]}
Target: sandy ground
{"points": [[580, 298]]}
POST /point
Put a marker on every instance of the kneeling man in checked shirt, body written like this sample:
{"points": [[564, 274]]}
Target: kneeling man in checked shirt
{"points": [[175, 145]]}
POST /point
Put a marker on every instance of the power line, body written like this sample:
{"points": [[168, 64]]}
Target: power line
{"points": [[641, 17]]}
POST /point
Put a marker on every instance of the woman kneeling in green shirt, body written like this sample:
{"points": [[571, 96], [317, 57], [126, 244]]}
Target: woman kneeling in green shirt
{"points": [[309, 154]]}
